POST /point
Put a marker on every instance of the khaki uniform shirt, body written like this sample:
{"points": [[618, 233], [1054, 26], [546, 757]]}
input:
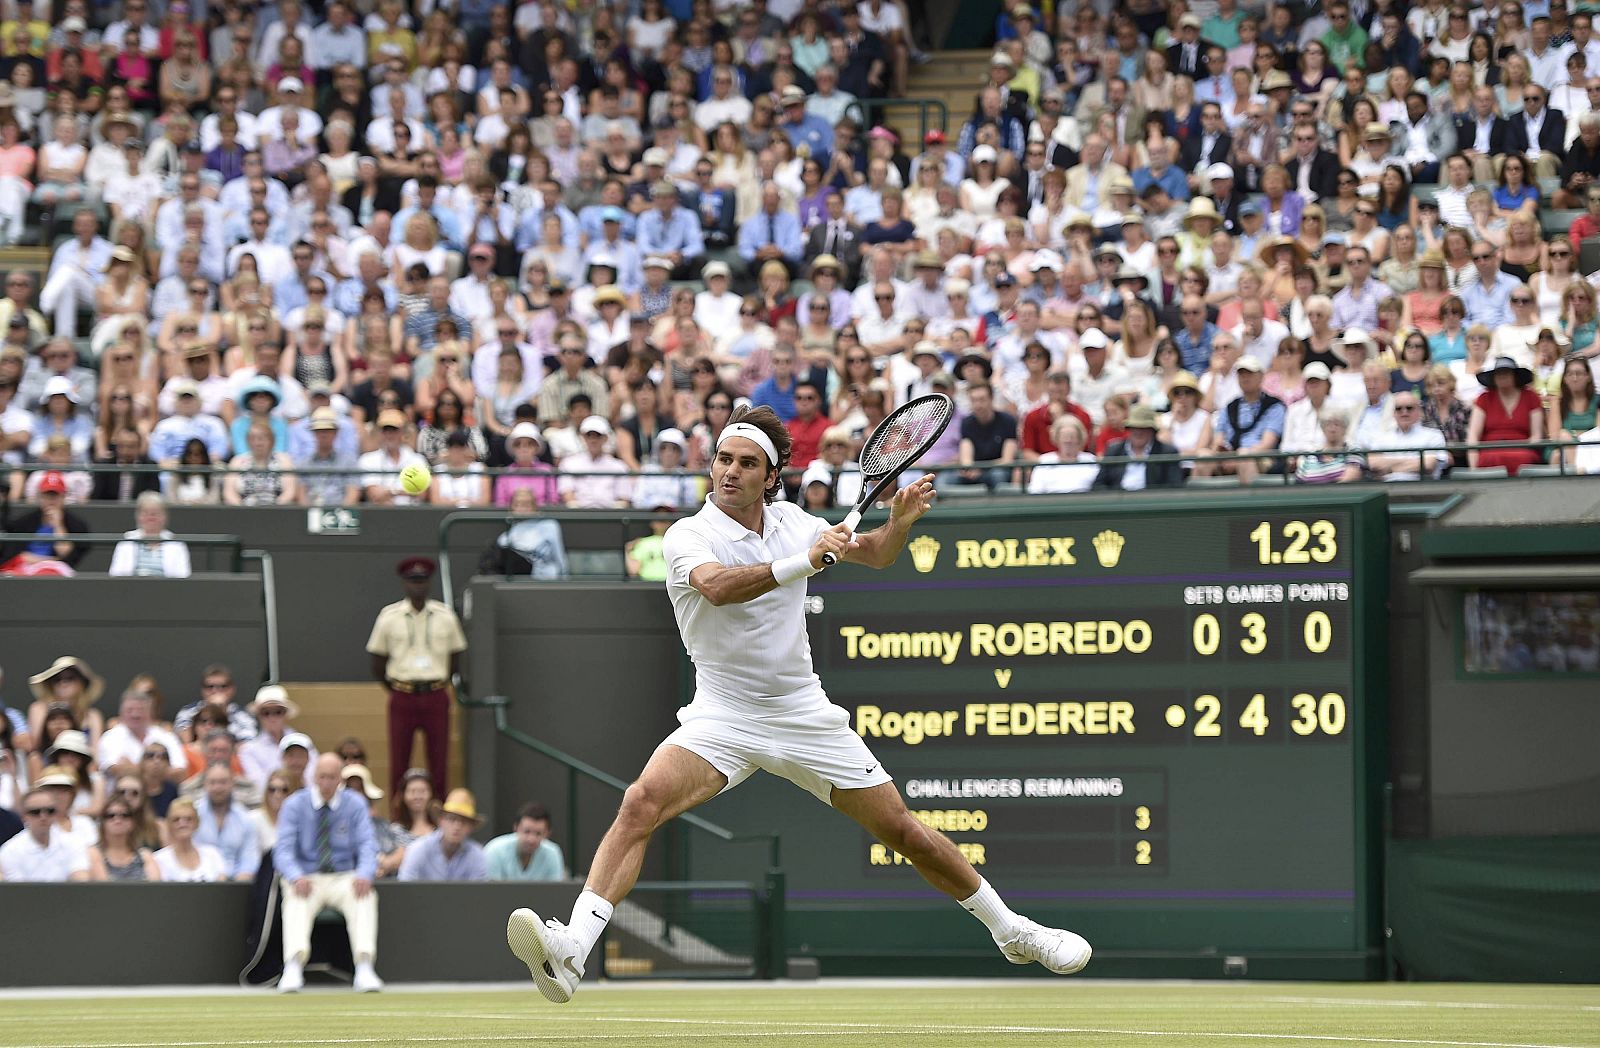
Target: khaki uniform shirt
{"points": [[418, 643]]}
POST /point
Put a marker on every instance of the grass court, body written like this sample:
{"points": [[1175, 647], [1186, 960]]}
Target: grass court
{"points": [[881, 1013]]}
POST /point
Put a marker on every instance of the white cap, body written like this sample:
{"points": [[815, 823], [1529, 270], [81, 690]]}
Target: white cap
{"points": [[295, 738], [957, 286], [58, 386], [1250, 363], [982, 153], [672, 436], [816, 473], [716, 268], [1094, 338], [595, 424], [655, 155], [1316, 369], [290, 83], [525, 431], [1045, 259], [1219, 171]]}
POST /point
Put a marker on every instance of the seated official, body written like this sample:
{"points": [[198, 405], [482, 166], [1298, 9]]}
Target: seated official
{"points": [[526, 853], [449, 853], [1140, 443], [327, 858]]}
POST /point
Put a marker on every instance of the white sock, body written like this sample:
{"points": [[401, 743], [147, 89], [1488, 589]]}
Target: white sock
{"points": [[986, 905], [590, 915]]}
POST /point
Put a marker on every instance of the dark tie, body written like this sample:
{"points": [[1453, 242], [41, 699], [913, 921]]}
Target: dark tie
{"points": [[325, 839]]}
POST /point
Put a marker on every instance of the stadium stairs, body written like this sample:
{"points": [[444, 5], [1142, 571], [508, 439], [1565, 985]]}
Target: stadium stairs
{"points": [[330, 712]]}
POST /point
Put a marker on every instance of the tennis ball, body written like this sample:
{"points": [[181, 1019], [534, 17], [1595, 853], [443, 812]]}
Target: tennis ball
{"points": [[415, 479]]}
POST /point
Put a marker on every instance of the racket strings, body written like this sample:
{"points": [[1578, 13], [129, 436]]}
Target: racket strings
{"points": [[901, 436]]}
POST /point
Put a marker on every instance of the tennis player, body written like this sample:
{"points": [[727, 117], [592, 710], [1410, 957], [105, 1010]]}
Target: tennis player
{"points": [[737, 574]]}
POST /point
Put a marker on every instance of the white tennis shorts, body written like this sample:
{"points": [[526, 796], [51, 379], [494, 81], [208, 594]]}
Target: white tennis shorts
{"points": [[814, 749]]}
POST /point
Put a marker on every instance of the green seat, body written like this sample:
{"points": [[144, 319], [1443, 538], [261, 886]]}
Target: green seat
{"points": [[1213, 482], [1551, 470], [1553, 222], [1481, 473], [597, 563]]}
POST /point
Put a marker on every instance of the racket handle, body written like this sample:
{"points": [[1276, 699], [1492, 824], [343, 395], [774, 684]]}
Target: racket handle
{"points": [[850, 522]]}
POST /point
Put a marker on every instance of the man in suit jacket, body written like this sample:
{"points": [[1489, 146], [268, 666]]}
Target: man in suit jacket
{"points": [[1539, 128], [1097, 171], [1320, 166], [1141, 443], [1481, 134], [1187, 55], [1213, 145], [836, 236], [1437, 134]]}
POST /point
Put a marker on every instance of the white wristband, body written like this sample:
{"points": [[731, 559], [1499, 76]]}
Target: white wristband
{"points": [[793, 569]]}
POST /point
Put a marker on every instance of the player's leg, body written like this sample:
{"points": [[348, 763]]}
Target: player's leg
{"points": [[882, 812], [674, 780]]}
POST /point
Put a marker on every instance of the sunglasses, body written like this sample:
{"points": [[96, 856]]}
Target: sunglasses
{"points": [[110, 815], [1521, 300], [41, 812], [277, 789]]}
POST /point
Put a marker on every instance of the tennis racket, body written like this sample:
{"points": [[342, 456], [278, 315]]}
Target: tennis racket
{"points": [[901, 439]]}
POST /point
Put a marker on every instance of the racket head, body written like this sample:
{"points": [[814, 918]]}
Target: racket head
{"points": [[902, 438]]}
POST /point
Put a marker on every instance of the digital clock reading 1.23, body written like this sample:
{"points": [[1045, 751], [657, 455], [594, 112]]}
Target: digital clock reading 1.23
{"points": [[1288, 542]]}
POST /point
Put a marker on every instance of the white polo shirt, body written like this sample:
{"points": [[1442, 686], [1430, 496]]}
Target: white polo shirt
{"points": [[755, 657], [22, 859], [118, 745]]}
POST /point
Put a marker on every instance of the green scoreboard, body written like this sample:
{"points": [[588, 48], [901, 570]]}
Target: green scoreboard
{"points": [[1160, 720]]}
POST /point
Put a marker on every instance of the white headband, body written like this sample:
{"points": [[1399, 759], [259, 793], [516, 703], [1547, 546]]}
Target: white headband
{"points": [[749, 432]]}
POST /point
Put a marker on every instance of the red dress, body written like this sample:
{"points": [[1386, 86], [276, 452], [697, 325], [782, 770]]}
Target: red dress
{"points": [[1518, 425]]}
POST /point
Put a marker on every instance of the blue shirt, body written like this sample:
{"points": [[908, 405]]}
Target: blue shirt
{"points": [[1254, 422], [1196, 352], [1171, 180], [761, 229], [235, 838], [815, 132], [1442, 350], [1491, 305], [547, 863], [355, 850], [779, 400], [426, 861], [347, 296], [680, 231], [592, 221]]}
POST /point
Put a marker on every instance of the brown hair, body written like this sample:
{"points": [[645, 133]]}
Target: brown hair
{"points": [[768, 422]]}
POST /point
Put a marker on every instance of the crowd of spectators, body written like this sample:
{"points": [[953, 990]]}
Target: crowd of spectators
{"points": [[547, 247], [199, 798]]}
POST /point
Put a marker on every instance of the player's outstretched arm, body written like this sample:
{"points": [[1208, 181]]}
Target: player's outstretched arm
{"points": [[880, 547], [721, 584]]}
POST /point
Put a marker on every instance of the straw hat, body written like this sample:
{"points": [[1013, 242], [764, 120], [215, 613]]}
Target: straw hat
{"points": [[56, 775], [368, 787], [1267, 255], [92, 690], [1200, 207], [273, 695], [70, 741], [1433, 259], [460, 803]]}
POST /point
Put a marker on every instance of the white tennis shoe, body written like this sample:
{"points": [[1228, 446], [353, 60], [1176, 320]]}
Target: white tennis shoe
{"points": [[1059, 950], [549, 951]]}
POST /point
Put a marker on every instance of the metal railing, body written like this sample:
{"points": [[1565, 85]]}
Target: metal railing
{"points": [[772, 953], [872, 106]]}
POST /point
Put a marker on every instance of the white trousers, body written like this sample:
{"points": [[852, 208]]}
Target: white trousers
{"points": [[63, 294], [334, 891], [13, 200]]}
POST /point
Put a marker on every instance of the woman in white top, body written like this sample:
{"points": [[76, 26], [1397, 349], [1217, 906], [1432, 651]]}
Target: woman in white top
{"points": [[1551, 282], [1069, 468], [182, 859], [149, 549], [461, 481], [1188, 428], [980, 191], [265, 818]]}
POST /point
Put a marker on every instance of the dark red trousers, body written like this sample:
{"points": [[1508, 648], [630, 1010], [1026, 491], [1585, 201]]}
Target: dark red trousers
{"points": [[430, 711]]}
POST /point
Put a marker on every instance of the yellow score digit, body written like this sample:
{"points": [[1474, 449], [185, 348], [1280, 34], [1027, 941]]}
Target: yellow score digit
{"points": [[1207, 634], [1327, 714], [1317, 541], [1141, 818], [1319, 632], [1254, 716], [1254, 642], [1141, 853]]}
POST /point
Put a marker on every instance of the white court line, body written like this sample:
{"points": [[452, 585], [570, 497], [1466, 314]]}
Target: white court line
{"points": [[1376, 1002], [753, 1028]]}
